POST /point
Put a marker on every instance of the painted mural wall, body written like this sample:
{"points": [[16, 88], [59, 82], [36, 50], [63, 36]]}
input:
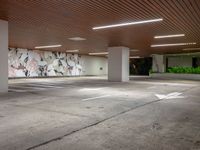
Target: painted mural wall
{"points": [[29, 63]]}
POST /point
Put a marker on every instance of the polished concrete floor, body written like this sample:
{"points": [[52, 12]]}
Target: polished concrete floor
{"points": [[89, 113]]}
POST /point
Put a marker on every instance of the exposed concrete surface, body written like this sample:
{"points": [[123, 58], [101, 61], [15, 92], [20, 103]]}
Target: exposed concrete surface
{"points": [[176, 76], [51, 114]]}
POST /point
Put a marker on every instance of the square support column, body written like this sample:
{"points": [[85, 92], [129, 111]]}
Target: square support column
{"points": [[158, 64], [3, 56], [118, 64]]}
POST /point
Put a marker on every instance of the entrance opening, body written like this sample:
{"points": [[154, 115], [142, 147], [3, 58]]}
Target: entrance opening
{"points": [[140, 66]]}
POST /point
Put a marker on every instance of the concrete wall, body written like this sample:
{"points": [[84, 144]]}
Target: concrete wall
{"points": [[118, 64], [125, 64], [158, 63], [92, 65], [180, 61], [32, 63], [3, 56]]}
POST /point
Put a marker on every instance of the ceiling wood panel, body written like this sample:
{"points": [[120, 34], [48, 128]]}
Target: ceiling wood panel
{"points": [[41, 22]]}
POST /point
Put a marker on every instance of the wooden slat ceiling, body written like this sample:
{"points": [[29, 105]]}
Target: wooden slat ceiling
{"points": [[46, 22]]}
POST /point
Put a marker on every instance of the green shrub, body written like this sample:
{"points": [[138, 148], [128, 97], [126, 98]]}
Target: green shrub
{"points": [[188, 70]]}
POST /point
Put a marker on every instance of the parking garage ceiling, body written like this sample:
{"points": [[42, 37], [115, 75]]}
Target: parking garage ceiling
{"points": [[39, 22]]}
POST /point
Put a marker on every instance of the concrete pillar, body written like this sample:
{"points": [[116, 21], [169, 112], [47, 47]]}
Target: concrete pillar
{"points": [[158, 64], [118, 64], [3, 56]]}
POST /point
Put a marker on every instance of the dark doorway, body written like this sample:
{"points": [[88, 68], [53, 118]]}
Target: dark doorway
{"points": [[140, 66], [195, 62]]}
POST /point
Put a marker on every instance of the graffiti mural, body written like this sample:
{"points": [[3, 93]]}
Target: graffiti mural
{"points": [[29, 63]]}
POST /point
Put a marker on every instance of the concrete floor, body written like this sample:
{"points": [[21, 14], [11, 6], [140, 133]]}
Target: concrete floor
{"points": [[90, 113]]}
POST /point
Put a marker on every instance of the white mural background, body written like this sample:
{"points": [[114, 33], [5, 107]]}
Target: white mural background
{"points": [[29, 63]]}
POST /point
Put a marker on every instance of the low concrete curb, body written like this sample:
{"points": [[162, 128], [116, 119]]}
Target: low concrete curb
{"points": [[175, 76]]}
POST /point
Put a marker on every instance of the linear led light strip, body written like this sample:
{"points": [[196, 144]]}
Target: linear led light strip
{"points": [[72, 51], [127, 24], [191, 49], [100, 53], [134, 57], [48, 46], [77, 39], [174, 44], [169, 36]]}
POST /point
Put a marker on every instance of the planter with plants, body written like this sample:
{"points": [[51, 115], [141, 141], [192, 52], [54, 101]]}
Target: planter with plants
{"points": [[186, 70], [179, 73]]}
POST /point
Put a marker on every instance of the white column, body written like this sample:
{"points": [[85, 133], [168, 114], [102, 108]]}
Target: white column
{"points": [[3, 56], [158, 64], [118, 64]]}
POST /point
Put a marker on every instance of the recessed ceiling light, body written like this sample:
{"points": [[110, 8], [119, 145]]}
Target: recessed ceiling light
{"points": [[169, 36], [99, 53], [134, 50], [72, 51], [127, 24], [77, 39], [174, 44], [134, 57], [48, 46], [191, 49]]}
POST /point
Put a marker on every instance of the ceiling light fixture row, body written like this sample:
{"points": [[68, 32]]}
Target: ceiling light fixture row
{"points": [[169, 36], [120, 25], [127, 24], [134, 57], [77, 39], [72, 51], [99, 53], [97, 28], [173, 44], [47, 46], [156, 37], [191, 49]]}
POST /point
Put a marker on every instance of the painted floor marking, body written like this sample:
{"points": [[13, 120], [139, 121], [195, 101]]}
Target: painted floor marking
{"points": [[93, 98], [169, 96], [90, 89]]}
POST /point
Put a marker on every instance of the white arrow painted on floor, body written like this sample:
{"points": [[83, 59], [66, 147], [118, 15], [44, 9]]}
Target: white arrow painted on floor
{"points": [[169, 96]]}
